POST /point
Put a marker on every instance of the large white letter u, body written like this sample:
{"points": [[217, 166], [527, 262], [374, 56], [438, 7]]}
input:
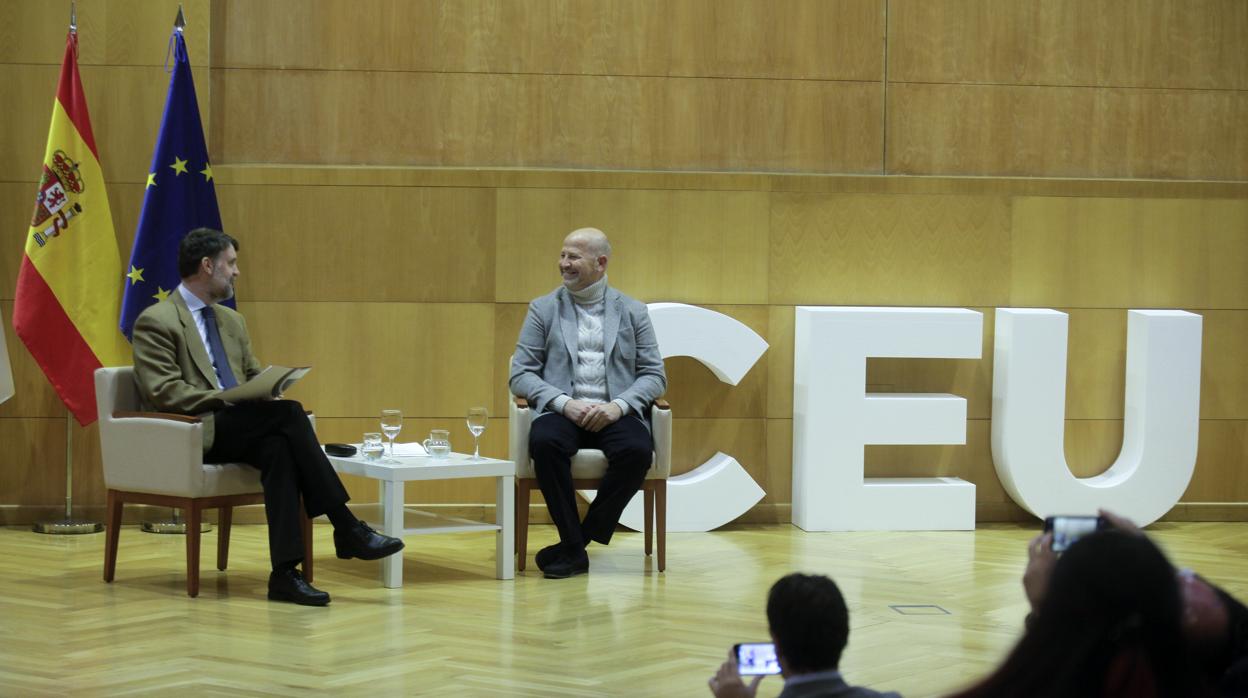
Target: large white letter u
{"points": [[1160, 426]]}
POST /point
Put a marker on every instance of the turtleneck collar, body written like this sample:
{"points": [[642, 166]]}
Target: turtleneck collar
{"points": [[593, 293]]}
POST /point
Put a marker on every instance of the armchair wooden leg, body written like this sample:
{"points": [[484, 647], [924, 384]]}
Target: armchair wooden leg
{"points": [[307, 549], [225, 516], [113, 536], [194, 517], [648, 524], [522, 521], [660, 511]]}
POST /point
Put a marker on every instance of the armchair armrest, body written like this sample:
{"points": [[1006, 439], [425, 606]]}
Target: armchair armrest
{"points": [[185, 419], [519, 418], [661, 422], [156, 452]]}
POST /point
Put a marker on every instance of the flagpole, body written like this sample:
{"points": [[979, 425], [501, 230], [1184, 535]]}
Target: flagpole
{"points": [[173, 524], [68, 524]]}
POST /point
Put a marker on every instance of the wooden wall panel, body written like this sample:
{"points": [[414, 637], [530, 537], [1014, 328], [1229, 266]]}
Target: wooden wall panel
{"points": [[432, 357], [900, 250], [407, 287], [1149, 43], [936, 461], [1066, 132], [686, 246], [777, 480], [17, 203], [467, 119], [427, 359], [378, 244], [968, 378], [1120, 253], [110, 32], [779, 358], [1222, 464], [125, 103], [508, 319], [785, 39], [696, 393], [694, 441], [1092, 445], [1224, 373], [1096, 363], [33, 469], [33, 396]]}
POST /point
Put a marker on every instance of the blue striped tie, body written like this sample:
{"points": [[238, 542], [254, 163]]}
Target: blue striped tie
{"points": [[220, 361]]}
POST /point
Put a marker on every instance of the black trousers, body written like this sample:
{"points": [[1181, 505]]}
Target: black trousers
{"points": [[628, 446], [276, 437]]}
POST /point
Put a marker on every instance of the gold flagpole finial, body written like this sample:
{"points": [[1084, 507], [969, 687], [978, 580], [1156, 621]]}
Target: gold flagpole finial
{"points": [[73, 17], [179, 23]]}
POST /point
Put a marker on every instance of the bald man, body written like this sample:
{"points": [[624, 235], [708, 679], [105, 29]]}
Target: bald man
{"points": [[589, 365]]}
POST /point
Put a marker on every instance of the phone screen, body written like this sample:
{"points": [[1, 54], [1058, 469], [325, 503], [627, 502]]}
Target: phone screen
{"points": [[754, 658], [1068, 529]]}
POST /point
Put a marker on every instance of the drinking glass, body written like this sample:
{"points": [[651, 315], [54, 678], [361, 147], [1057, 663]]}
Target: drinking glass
{"points": [[478, 419], [391, 425], [371, 446]]}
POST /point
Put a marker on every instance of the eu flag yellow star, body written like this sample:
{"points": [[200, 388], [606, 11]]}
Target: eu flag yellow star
{"points": [[151, 180], [136, 275], [160, 294], [179, 165], [207, 173]]}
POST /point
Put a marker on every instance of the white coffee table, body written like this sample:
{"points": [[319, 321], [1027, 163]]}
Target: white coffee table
{"points": [[391, 478]]}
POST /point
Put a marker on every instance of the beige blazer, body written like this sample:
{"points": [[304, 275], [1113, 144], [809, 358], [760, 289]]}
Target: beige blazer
{"points": [[171, 364]]}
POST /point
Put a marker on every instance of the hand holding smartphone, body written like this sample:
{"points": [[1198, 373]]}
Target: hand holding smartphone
{"points": [[1068, 529], [756, 658]]}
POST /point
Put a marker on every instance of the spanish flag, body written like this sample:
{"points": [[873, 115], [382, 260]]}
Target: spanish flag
{"points": [[68, 288]]}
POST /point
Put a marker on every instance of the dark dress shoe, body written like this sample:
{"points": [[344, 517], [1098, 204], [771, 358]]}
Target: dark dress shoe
{"points": [[361, 541], [289, 585], [547, 555], [567, 565]]}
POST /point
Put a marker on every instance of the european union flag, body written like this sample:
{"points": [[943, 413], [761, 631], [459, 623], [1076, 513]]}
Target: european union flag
{"points": [[179, 197]]}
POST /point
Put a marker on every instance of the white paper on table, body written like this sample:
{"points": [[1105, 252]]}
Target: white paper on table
{"points": [[410, 449]]}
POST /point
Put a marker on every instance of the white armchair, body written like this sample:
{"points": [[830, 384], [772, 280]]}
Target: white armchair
{"points": [[588, 467], [157, 458]]}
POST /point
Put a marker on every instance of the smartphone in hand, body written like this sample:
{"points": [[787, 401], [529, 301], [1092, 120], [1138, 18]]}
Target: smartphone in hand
{"points": [[755, 658], [1068, 529]]}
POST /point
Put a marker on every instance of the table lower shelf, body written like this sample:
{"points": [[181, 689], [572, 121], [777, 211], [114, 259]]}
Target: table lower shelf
{"points": [[418, 522]]}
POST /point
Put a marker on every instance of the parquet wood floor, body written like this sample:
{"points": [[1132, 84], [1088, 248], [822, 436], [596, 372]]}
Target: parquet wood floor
{"points": [[622, 630]]}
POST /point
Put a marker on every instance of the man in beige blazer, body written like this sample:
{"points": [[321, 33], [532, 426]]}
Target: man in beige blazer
{"points": [[187, 350]]}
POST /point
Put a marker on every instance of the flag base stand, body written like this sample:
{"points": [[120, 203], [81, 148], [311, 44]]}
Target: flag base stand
{"points": [[67, 527], [173, 526]]}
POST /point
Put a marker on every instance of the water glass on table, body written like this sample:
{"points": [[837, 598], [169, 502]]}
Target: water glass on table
{"points": [[478, 420], [391, 425], [372, 447]]}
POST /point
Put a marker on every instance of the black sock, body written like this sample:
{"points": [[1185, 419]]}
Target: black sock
{"points": [[286, 566], [341, 517]]}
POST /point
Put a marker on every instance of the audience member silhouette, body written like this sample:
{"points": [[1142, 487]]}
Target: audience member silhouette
{"points": [[1107, 623]]}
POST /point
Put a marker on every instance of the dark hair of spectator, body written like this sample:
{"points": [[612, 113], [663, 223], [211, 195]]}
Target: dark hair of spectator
{"points": [[809, 622], [200, 243], [1109, 626]]}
